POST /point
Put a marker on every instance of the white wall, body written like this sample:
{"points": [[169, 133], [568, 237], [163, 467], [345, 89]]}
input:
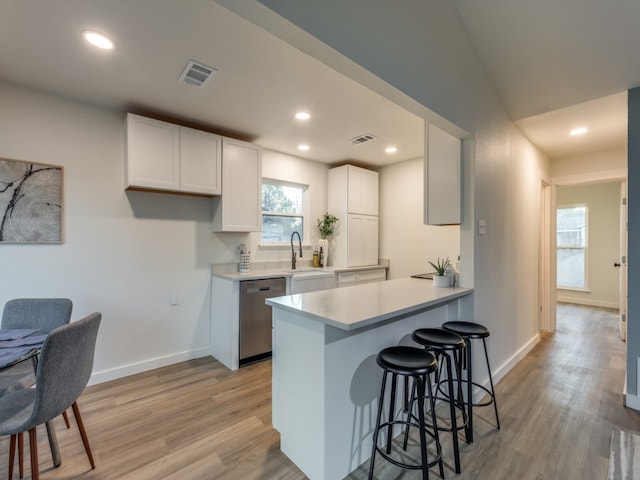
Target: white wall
{"points": [[589, 164], [280, 166], [603, 242], [124, 253], [404, 238]]}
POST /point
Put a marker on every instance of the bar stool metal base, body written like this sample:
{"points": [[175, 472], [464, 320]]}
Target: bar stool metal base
{"points": [[415, 364], [447, 348], [472, 331]]}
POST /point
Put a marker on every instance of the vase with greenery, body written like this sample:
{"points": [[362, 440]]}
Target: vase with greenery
{"points": [[441, 279], [326, 226]]}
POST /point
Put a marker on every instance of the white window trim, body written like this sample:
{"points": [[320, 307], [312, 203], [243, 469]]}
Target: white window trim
{"points": [[306, 232]]}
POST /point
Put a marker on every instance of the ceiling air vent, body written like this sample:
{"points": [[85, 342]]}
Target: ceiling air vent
{"points": [[196, 74], [360, 139]]}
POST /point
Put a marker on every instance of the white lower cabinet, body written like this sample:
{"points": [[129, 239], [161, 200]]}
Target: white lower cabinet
{"points": [[357, 244], [346, 279]]}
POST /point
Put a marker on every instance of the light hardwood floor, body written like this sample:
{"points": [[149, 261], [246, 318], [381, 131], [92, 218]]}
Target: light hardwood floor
{"points": [[196, 420]]}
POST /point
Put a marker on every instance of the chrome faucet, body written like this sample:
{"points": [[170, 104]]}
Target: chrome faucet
{"points": [[293, 252]]}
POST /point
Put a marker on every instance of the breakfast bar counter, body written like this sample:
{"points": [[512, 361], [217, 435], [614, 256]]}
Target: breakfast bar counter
{"points": [[325, 377]]}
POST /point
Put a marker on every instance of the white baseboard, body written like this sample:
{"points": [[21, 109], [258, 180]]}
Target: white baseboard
{"points": [[132, 369], [503, 369], [632, 401], [588, 302]]}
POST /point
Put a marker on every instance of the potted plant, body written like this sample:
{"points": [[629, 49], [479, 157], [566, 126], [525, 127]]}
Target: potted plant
{"points": [[441, 279], [326, 226]]}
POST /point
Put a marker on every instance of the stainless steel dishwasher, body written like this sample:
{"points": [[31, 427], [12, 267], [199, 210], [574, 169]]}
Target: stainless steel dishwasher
{"points": [[255, 317]]}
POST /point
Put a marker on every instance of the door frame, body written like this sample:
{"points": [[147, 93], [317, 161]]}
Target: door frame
{"points": [[619, 174], [546, 282], [623, 260]]}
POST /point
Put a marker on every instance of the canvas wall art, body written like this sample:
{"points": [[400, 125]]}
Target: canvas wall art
{"points": [[31, 205]]}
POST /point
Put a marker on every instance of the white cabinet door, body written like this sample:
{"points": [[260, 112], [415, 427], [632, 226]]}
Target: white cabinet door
{"points": [[442, 178], [362, 191], [370, 241], [362, 241], [355, 251], [153, 154], [239, 208], [200, 161]]}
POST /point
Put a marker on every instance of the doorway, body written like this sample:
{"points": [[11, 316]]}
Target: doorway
{"points": [[610, 263]]}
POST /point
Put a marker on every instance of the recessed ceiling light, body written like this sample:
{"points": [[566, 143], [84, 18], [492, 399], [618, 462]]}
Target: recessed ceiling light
{"points": [[303, 147], [391, 149], [303, 116], [578, 131], [98, 40]]}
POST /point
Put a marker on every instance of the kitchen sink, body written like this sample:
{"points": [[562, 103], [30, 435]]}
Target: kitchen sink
{"points": [[310, 272], [309, 280]]}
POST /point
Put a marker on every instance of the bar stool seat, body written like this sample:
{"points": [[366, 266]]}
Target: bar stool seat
{"points": [[448, 348], [474, 331], [417, 365]]}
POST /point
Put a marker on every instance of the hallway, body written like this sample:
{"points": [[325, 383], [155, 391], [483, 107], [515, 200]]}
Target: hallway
{"points": [[557, 408]]}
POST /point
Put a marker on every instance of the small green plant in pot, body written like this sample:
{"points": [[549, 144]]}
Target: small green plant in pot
{"points": [[441, 265], [326, 225]]}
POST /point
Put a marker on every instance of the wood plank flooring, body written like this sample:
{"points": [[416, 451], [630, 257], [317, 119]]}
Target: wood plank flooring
{"points": [[196, 420]]}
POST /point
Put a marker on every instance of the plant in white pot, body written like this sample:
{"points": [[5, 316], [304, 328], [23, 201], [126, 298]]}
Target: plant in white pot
{"points": [[441, 279], [326, 227]]}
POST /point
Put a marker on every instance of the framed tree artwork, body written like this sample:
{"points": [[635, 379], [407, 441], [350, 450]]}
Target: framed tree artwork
{"points": [[31, 207]]}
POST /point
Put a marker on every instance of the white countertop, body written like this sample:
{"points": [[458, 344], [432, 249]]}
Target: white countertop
{"points": [[358, 306]]}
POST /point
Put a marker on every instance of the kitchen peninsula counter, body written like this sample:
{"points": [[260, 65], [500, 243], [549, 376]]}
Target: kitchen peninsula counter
{"points": [[325, 376]]}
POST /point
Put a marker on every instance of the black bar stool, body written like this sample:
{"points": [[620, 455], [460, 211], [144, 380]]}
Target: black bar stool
{"points": [[445, 345], [472, 331], [415, 364]]}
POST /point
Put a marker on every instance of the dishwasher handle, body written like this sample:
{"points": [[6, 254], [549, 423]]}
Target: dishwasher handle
{"points": [[263, 289]]}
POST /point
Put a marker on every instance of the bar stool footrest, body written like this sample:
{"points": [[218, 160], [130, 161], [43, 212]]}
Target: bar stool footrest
{"points": [[397, 463]]}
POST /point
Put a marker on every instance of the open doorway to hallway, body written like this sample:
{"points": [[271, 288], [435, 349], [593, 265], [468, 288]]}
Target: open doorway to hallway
{"points": [[579, 181]]}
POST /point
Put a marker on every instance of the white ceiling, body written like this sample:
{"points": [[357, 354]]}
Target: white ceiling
{"points": [[542, 56], [546, 55]]}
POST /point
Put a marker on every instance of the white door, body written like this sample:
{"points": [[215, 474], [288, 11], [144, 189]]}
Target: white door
{"points": [[623, 261]]}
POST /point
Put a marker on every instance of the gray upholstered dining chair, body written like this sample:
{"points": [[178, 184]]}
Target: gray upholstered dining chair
{"points": [[64, 369], [43, 314]]}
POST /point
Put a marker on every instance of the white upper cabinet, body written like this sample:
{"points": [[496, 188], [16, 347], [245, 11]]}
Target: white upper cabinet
{"points": [[239, 208], [442, 177], [167, 157], [353, 190], [153, 154]]}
